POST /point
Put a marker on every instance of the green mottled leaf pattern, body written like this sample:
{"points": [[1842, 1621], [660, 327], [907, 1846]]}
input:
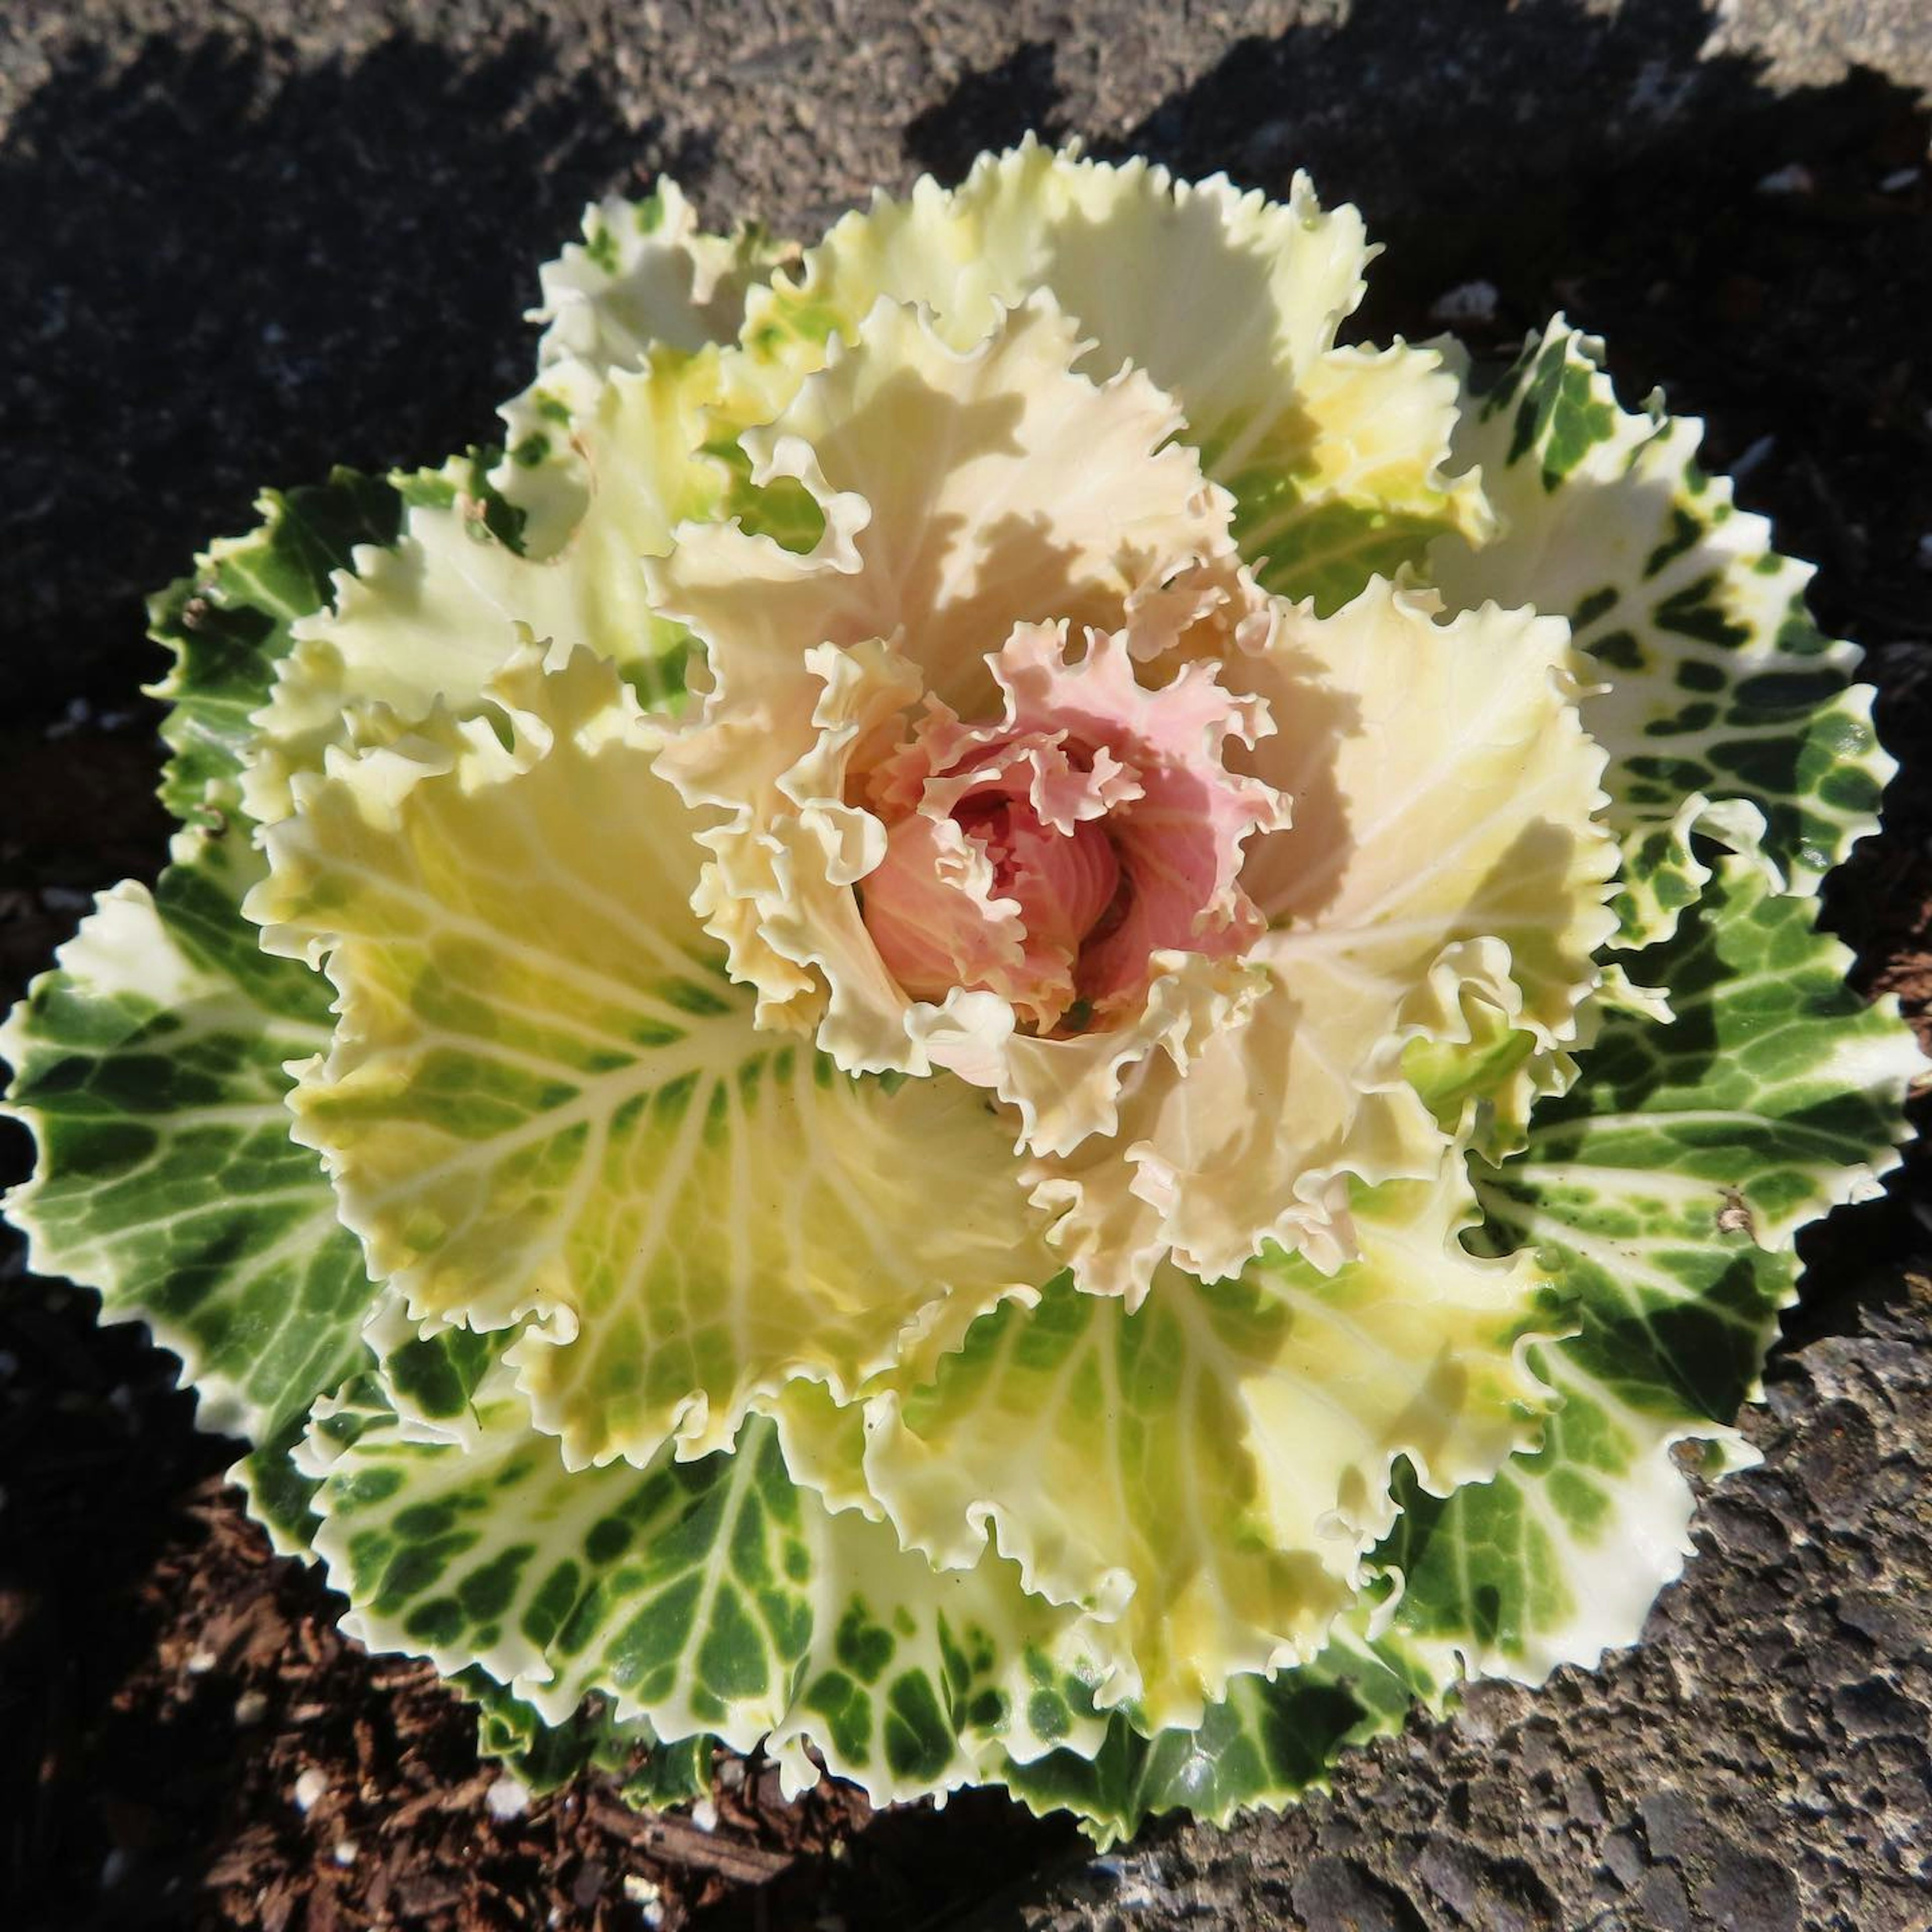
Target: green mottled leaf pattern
{"points": [[1725, 710], [228, 623], [280, 1498], [547, 1757], [711, 1596], [1773, 1094], [1269, 1741], [1663, 1193], [149, 1065]]}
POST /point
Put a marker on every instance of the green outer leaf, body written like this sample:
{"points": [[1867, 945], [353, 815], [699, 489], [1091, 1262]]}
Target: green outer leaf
{"points": [[1726, 711], [227, 622], [280, 1497], [1270, 1742], [1663, 1193], [149, 1066], [707, 1596], [547, 1756]]}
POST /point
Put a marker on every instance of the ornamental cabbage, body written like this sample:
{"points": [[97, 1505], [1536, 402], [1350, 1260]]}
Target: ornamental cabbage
{"points": [[997, 1021]]}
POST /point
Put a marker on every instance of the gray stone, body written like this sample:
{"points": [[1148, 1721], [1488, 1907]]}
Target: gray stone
{"points": [[1663, 1902], [1748, 1891], [1583, 1797], [1670, 1823], [1623, 1859], [1845, 1445], [1479, 1891], [1336, 1895]]}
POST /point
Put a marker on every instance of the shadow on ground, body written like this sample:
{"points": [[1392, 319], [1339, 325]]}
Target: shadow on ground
{"points": [[224, 269]]}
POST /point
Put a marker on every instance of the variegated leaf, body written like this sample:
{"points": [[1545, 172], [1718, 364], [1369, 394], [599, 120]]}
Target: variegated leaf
{"points": [[1725, 710], [150, 1066]]}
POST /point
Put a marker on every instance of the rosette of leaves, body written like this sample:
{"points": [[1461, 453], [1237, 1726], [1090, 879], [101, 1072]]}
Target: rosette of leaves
{"points": [[997, 1022]]}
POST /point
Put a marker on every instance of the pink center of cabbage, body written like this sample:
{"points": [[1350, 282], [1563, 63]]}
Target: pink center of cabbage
{"points": [[1046, 855]]}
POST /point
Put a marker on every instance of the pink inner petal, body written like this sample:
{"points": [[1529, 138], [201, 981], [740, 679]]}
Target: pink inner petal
{"points": [[933, 911], [1093, 824]]}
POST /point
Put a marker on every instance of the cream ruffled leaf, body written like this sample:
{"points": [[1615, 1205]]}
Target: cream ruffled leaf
{"points": [[628, 430], [1724, 709], [1204, 1476], [963, 493], [1138, 258], [1352, 482], [1334, 456], [1442, 870], [713, 1596], [544, 1097], [430, 618], [646, 274]]}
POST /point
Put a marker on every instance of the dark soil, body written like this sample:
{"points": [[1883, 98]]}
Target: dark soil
{"points": [[237, 253]]}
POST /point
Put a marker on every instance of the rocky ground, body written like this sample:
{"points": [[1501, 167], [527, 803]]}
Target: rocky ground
{"points": [[244, 241]]}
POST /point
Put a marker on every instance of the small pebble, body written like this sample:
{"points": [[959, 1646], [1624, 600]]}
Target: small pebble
{"points": [[250, 1708], [1924, 553], [1754, 457], [345, 1852], [310, 1788], [640, 1890], [731, 1773], [1898, 180], [704, 1815], [200, 1663], [1794, 177], [509, 1798], [79, 714], [1468, 301]]}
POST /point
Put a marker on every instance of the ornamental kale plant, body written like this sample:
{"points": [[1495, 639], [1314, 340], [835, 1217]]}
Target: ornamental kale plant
{"points": [[996, 1020]]}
